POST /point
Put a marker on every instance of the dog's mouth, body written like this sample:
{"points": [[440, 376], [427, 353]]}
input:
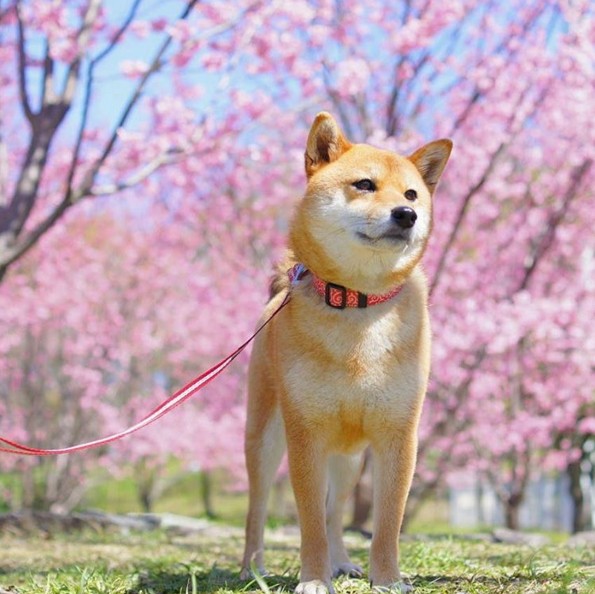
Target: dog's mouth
{"points": [[392, 236]]}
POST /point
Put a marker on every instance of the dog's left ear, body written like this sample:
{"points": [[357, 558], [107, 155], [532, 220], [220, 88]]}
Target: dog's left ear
{"points": [[326, 143], [430, 161]]}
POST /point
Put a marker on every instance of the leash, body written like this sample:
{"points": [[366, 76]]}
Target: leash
{"points": [[335, 295], [166, 406]]}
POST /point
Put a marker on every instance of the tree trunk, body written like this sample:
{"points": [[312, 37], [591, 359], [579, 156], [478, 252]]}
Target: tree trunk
{"points": [[15, 214], [512, 509], [146, 496], [206, 493], [145, 485], [579, 522]]}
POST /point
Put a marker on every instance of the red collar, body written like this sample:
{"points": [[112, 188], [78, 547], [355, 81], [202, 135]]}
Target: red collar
{"points": [[338, 296]]}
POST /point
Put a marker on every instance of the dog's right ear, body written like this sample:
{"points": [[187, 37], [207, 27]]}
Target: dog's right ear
{"points": [[325, 144], [430, 161]]}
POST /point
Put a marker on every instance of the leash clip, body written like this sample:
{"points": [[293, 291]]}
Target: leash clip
{"points": [[297, 273]]}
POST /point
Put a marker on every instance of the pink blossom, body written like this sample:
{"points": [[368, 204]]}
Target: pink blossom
{"points": [[352, 77], [133, 68]]}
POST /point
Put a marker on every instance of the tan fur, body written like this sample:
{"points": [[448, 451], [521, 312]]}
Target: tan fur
{"points": [[327, 383]]}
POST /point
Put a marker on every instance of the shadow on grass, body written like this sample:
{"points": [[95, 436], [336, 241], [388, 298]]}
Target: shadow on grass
{"points": [[203, 582], [215, 580]]}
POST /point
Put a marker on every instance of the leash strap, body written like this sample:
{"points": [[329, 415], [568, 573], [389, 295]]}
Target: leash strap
{"points": [[166, 406]]}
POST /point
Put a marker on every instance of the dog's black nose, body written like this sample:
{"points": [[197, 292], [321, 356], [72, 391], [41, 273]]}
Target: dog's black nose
{"points": [[403, 216]]}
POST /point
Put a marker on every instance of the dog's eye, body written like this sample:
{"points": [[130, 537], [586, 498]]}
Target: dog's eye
{"points": [[411, 195], [365, 185]]}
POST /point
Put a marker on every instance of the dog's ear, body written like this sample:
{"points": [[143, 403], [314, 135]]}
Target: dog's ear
{"points": [[430, 161], [325, 144]]}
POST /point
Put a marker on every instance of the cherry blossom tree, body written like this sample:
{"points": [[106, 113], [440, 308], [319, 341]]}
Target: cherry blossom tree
{"points": [[184, 182]]}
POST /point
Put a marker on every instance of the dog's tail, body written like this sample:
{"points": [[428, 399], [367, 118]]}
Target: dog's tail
{"points": [[280, 279]]}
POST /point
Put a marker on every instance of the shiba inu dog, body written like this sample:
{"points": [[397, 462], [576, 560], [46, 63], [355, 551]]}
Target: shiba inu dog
{"points": [[345, 364]]}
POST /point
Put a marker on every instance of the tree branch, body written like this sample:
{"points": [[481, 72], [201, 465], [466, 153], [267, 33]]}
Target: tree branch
{"points": [[462, 212], [545, 241], [164, 159], [23, 67], [336, 101], [154, 67], [119, 33], [47, 84], [13, 253], [3, 170], [83, 36], [87, 99]]}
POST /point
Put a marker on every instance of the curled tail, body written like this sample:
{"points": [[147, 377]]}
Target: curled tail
{"points": [[280, 280]]}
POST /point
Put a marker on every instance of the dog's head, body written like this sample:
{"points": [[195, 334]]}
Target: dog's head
{"points": [[367, 213]]}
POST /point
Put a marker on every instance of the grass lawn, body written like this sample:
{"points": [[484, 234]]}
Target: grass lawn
{"points": [[207, 561]]}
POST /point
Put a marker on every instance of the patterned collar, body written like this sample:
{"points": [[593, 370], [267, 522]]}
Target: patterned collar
{"points": [[338, 296]]}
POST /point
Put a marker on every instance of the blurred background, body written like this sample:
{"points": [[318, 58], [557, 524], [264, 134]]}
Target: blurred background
{"points": [[150, 156]]}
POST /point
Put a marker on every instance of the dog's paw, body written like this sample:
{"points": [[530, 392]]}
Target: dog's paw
{"points": [[395, 588], [347, 568], [314, 587]]}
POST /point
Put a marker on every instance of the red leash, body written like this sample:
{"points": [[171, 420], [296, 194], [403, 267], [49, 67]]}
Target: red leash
{"points": [[166, 406]]}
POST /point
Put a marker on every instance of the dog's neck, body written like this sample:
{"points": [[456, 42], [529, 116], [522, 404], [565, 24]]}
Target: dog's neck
{"points": [[340, 297]]}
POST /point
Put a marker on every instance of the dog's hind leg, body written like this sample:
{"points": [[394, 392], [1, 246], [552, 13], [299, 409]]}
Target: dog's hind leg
{"points": [[344, 471], [264, 447]]}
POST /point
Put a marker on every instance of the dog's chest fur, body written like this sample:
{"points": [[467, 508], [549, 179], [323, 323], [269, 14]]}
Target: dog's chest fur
{"points": [[345, 370]]}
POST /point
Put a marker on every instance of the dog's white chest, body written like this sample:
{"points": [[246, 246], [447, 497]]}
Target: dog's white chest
{"points": [[358, 372]]}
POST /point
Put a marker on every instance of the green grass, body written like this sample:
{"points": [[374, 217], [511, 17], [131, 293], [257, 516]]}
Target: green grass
{"points": [[207, 562]]}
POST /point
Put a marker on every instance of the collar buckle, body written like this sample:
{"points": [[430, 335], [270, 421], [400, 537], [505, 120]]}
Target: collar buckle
{"points": [[335, 296]]}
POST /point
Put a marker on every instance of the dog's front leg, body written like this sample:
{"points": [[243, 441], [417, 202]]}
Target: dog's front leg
{"points": [[308, 471], [394, 464]]}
